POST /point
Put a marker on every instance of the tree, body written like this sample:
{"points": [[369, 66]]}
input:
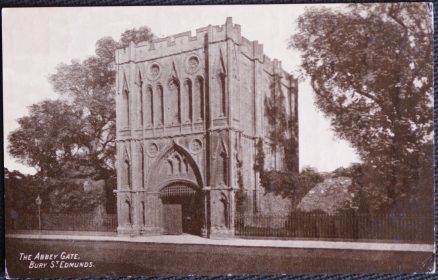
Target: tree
{"points": [[48, 137], [370, 66], [143, 33], [76, 132], [21, 190], [283, 138], [283, 129], [291, 184], [89, 85]]}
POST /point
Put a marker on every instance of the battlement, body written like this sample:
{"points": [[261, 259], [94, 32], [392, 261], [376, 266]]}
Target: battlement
{"points": [[180, 42], [189, 42], [254, 51]]}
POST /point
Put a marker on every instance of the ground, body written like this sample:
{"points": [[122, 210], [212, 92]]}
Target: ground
{"points": [[120, 258]]}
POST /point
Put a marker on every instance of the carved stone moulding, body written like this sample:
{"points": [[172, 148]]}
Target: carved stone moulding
{"points": [[153, 71], [192, 63], [152, 149], [195, 146], [172, 83]]}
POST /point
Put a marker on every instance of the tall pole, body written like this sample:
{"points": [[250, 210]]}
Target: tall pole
{"points": [[39, 217], [38, 202]]}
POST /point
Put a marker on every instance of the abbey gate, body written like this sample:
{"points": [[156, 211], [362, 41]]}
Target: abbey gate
{"points": [[190, 112]]}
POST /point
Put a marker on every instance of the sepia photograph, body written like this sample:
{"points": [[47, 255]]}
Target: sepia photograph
{"points": [[218, 140]]}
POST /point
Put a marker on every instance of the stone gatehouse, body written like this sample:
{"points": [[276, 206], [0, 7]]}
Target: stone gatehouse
{"points": [[190, 110]]}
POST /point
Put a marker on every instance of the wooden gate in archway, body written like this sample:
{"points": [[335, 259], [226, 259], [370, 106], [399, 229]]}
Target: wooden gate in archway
{"points": [[182, 209]]}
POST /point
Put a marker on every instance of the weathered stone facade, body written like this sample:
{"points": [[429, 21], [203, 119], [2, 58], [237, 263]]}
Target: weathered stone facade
{"points": [[190, 110]]}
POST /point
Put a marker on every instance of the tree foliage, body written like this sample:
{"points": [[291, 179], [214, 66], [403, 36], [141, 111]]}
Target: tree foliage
{"points": [[286, 183], [276, 114], [370, 66], [282, 137], [89, 86], [77, 131], [16, 184], [282, 126], [48, 136], [290, 184], [135, 35]]}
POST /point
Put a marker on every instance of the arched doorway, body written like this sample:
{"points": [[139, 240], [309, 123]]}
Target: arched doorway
{"points": [[183, 209]]}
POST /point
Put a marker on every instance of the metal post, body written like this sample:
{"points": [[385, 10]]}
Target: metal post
{"points": [[39, 217], [38, 202]]}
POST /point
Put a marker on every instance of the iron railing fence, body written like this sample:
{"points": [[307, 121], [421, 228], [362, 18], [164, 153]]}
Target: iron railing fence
{"points": [[65, 222], [400, 228], [343, 226]]}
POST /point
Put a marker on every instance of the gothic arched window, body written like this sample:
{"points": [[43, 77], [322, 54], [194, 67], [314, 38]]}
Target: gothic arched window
{"points": [[158, 107], [126, 176], [142, 176], [186, 101], [125, 109], [185, 167], [222, 97], [140, 91], [198, 99], [149, 108], [169, 167], [222, 168], [178, 167], [224, 212], [173, 103], [223, 158], [128, 212], [143, 208], [141, 108]]}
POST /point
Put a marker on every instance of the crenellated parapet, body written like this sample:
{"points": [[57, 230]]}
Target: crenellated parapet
{"points": [[179, 43]]}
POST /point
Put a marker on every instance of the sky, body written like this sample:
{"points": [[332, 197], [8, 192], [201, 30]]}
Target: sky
{"points": [[36, 40]]}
